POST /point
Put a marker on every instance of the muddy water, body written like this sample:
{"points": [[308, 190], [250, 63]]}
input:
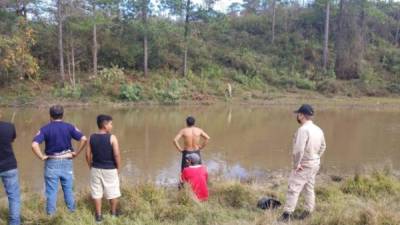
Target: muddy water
{"points": [[245, 140]]}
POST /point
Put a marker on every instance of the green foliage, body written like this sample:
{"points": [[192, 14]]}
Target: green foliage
{"points": [[329, 87], [254, 82], [231, 48], [373, 186], [295, 81], [235, 195], [112, 74], [171, 94], [212, 72], [394, 88], [69, 91], [131, 92], [15, 55], [151, 193]]}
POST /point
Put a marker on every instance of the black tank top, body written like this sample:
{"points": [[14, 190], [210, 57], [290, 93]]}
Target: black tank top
{"points": [[103, 156]]}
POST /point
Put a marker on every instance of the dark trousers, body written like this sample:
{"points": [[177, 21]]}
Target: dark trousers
{"points": [[184, 154]]}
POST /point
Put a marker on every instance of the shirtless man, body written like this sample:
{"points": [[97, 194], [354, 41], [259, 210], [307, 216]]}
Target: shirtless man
{"points": [[191, 136]]}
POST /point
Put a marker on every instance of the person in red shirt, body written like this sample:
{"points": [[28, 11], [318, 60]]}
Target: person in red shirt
{"points": [[196, 175]]}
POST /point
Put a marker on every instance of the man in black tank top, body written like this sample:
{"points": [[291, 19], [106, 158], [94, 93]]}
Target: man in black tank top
{"points": [[104, 160]]}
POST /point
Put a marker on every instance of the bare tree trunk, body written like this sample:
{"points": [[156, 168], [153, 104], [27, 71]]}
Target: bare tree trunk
{"points": [[20, 8], [338, 43], [273, 20], [350, 41], [69, 65], [186, 37], [287, 16], [60, 40], [73, 64], [24, 13], [396, 38], [145, 47], [94, 39], [326, 36], [145, 56]]}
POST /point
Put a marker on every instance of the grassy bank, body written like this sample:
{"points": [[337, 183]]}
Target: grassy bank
{"points": [[357, 200], [118, 88]]}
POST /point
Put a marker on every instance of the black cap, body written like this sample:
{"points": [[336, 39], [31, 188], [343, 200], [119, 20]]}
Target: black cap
{"points": [[56, 111], [305, 109]]}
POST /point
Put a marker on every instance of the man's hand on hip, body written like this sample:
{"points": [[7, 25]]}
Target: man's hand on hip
{"points": [[299, 168]]}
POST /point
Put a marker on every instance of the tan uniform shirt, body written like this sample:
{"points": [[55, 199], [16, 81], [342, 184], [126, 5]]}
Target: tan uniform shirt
{"points": [[308, 145]]}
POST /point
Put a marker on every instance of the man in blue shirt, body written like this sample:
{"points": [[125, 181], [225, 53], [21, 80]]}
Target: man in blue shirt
{"points": [[58, 156]]}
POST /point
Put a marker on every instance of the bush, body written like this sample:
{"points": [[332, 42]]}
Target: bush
{"points": [[305, 84], [69, 91], [131, 92], [250, 82], [240, 78], [171, 94], [328, 87], [293, 82], [235, 196], [393, 88], [372, 186], [212, 72], [111, 74]]}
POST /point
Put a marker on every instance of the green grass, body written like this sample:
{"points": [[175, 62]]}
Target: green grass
{"points": [[371, 199]]}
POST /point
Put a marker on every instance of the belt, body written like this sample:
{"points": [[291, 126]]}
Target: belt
{"points": [[48, 159], [66, 154]]}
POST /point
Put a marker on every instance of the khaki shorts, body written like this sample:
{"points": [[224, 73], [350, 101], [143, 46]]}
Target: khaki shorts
{"points": [[104, 181]]}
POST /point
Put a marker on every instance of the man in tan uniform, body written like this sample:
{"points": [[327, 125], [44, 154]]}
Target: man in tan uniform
{"points": [[191, 138], [308, 147]]}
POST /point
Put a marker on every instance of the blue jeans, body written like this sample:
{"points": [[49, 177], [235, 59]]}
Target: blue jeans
{"points": [[11, 185], [59, 170]]}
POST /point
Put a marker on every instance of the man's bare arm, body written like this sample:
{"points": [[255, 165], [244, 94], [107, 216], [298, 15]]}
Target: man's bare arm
{"points": [[82, 145], [206, 138], [38, 152], [89, 156], [176, 141], [116, 152]]}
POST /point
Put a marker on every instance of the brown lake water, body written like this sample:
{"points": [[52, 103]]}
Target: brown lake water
{"points": [[245, 140]]}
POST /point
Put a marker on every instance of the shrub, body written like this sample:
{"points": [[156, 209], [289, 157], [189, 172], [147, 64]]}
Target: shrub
{"points": [[393, 88], [328, 87], [212, 72], [111, 74], [305, 84], [69, 91], [171, 94], [151, 193], [131, 92], [240, 78], [372, 186], [235, 196], [250, 82]]}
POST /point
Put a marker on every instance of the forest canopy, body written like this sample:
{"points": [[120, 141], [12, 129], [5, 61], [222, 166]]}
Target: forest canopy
{"points": [[313, 45]]}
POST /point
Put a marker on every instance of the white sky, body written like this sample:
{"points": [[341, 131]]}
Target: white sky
{"points": [[220, 5]]}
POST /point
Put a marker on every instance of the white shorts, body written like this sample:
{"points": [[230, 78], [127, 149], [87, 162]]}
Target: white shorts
{"points": [[104, 181]]}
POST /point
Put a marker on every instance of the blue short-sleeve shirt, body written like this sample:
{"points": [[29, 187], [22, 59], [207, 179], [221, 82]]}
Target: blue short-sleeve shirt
{"points": [[57, 136]]}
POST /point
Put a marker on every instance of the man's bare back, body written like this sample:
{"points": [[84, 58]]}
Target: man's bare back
{"points": [[191, 139]]}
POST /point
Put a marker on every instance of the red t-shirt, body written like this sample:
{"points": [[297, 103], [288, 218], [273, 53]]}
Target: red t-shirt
{"points": [[197, 177]]}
